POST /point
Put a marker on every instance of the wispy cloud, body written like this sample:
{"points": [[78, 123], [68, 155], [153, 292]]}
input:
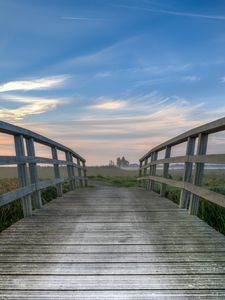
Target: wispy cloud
{"points": [[191, 78], [177, 13], [81, 18], [34, 84], [222, 79], [145, 121], [32, 106], [105, 103], [154, 69], [103, 74]]}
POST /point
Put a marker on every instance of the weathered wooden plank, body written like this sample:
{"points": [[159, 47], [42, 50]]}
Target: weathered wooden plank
{"points": [[105, 239], [114, 294], [187, 176], [22, 175], [56, 171], [212, 127], [151, 216], [113, 257], [16, 194], [11, 160], [165, 172], [16, 130], [32, 268], [213, 197], [112, 248], [198, 174], [207, 158], [33, 172], [112, 282], [90, 250], [80, 227]]}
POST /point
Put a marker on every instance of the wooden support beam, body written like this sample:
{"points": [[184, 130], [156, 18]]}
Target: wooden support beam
{"points": [[33, 172], [70, 172], [153, 170], [85, 174], [79, 172], [22, 175], [165, 171], [185, 195], [57, 171], [145, 172], [198, 173], [140, 173]]}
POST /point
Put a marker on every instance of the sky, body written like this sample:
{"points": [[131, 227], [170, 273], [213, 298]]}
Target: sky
{"points": [[111, 78]]}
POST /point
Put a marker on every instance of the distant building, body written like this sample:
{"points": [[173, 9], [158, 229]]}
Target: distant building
{"points": [[122, 162]]}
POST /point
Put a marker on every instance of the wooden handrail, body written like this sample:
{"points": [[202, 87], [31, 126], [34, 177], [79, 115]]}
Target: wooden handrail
{"points": [[191, 190], [30, 186]]}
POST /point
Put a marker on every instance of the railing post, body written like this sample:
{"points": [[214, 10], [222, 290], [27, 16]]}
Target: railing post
{"points": [[56, 171], [70, 171], [145, 173], [33, 171], [185, 195], [22, 175], [79, 172], [85, 174], [198, 173], [154, 156], [140, 173], [165, 171]]}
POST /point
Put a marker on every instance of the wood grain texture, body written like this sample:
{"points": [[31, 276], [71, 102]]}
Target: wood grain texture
{"points": [[111, 243]]}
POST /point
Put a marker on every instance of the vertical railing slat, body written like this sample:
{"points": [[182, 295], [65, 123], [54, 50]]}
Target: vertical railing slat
{"points": [[165, 171], [154, 156], [79, 172], [72, 171], [145, 173], [22, 175], [185, 195], [57, 171], [69, 171], [33, 171], [140, 173], [198, 173], [85, 174]]}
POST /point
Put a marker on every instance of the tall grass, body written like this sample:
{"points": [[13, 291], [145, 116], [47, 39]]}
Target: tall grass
{"points": [[13, 212]]}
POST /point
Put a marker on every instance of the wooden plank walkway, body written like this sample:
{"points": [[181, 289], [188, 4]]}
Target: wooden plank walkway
{"points": [[111, 243]]}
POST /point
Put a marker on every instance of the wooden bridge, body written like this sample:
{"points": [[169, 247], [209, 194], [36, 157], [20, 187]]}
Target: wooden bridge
{"points": [[104, 242]]}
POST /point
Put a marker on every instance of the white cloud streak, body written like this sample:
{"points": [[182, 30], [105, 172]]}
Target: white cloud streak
{"points": [[34, 84], [106, 103], [32, 106], [81, 18], [177, 13], [191, 78], [222, 79], [103, 74]]}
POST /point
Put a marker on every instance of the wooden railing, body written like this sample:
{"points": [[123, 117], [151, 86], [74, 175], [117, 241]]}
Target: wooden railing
{"points": [[29, 186], [191, 190]]}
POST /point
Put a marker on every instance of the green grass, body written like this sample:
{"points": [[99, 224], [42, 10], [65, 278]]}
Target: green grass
{"points": [[116, 180], [13, 212]]}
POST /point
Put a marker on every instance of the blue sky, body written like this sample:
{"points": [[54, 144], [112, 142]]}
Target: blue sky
{"points": [[111, 78]]}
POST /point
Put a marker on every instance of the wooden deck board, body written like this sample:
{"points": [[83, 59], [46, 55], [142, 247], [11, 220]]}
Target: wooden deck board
{"points": [[111, 243]]}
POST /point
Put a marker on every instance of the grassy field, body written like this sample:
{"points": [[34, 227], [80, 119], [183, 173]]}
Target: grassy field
{"points": [[47, 172], [213, 180]]}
